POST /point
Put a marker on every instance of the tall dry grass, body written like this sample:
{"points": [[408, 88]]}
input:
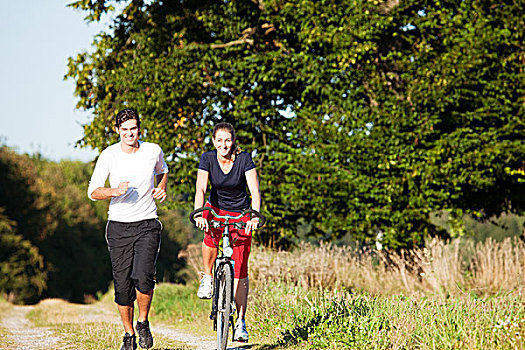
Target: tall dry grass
{"points": [[443, 268]]}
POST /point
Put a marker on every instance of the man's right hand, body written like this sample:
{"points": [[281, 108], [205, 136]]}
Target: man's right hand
{"points": [[122, 188]]}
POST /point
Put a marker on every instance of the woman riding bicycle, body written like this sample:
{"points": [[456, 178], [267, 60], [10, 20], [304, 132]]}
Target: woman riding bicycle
{"points": [[229, 171]]}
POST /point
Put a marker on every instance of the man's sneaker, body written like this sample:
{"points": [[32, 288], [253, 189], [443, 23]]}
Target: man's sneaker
{"points": [[145, 338], [240, 333], [129, 342], [205, 288]]}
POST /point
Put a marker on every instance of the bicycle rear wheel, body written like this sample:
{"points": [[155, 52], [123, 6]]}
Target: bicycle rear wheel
{"points": [[225, 275]]}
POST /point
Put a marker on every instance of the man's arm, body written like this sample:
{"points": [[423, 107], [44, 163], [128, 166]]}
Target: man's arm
{"points": [[101, 193], [96, 187], [159, 192], [162, 181]]}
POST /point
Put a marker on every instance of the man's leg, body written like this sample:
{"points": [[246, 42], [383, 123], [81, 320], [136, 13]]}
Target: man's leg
{"points": [[120, 245], [144, 304], [126, 314], [146, 249]]}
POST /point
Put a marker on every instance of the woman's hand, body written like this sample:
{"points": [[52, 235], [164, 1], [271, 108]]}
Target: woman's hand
{"points": [[251, 225], [202, 224]]}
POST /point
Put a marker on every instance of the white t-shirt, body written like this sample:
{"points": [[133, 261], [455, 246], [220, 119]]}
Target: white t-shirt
{"points": [[140, 169]]}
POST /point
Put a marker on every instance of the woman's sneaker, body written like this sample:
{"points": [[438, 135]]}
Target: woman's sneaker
{"points": [[205, 288], [129, 342], [240, 333], [145, 337]]}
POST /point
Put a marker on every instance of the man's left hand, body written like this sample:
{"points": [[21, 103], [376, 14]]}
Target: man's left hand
{"points": [[159, 193]]}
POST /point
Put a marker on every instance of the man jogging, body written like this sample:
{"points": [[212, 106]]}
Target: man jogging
{"points": [[133, 229]]}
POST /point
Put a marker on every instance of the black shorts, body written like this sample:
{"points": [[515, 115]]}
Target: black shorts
{"points": [[133, 249]]}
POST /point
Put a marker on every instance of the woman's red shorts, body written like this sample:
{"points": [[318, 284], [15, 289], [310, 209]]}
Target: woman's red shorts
{"points": [[240, 242]]}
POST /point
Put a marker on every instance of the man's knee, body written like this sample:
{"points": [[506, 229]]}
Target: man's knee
{"points": [[144, 284], [125, 297]]}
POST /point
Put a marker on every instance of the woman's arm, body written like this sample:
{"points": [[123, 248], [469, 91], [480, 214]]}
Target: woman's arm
{"points": [[253, 186], [200, 188], [200, 193]]}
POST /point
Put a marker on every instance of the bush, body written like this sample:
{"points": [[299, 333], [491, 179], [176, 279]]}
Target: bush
{"points": [[23, 278]]}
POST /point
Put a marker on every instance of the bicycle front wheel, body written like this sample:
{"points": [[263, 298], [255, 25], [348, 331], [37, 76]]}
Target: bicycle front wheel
{"points": [[225, 289]]}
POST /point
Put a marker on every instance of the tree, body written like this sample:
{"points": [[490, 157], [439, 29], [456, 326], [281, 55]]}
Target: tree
{"points": [[363, 116], [55, 233], [75, 248], [23, 278]]}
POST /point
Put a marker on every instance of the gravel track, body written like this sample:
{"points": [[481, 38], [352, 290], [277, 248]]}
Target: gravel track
{"points": [[21, 334]]}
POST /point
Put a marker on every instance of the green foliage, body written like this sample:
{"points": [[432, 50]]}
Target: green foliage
{"points": [[177, 233], [179, 303], [345, 322], [75, 247], [23, 278], [361, 115], [497, 229], [308, 319], [54, 218], [474, 225]]}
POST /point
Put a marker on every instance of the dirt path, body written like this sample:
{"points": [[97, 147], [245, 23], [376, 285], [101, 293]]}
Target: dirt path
{"points": [[200, 343], [20, 333]]}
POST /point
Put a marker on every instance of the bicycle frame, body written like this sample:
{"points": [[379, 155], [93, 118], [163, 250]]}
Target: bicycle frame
{"points": [[223, 258]]}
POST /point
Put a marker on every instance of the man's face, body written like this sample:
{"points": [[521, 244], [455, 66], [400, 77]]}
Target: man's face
{"points": [[129, 132]]}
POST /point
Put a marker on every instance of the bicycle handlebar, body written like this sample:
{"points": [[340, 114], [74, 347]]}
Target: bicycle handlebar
{"points": [[244, 212]]}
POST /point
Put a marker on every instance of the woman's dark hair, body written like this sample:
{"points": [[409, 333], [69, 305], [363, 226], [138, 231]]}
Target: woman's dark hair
{"points": [[125, 115], [224, 126], [236, 150]]}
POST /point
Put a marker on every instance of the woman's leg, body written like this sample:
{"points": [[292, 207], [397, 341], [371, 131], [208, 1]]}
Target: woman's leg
{"points": [[208, 258], [206, 284], [241, 285], [241, 288]]}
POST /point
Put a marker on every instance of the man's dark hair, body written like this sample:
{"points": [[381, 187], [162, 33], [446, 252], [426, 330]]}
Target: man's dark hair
{"points": [[125, 115]]}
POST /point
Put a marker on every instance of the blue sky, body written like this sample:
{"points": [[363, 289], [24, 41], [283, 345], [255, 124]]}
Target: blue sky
{"points": [[37, 106]]}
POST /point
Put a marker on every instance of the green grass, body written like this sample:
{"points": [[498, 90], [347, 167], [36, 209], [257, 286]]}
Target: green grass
{"points": [[307, 319], [179, 306], [285, 316]]}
